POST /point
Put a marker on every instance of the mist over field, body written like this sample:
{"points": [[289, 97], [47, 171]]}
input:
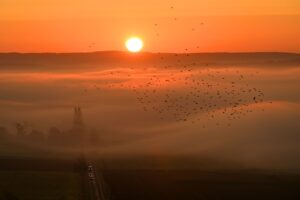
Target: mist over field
{"points": [[239, 109]]}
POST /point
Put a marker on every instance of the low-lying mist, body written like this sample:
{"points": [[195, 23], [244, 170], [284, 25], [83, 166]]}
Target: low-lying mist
{"points": [[193, 114]]}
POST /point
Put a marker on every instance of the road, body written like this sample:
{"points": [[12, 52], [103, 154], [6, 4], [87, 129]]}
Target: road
{"points": [[96, 184]]}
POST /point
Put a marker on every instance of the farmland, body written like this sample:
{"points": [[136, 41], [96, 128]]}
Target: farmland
{"points": [[38, 179], [193, 184]]}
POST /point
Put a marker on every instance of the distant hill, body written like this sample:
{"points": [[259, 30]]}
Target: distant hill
{"points": [[77, 61]]}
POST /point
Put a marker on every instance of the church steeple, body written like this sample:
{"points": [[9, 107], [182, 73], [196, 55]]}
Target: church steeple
{"points": [[78, 125], [78, 121]]}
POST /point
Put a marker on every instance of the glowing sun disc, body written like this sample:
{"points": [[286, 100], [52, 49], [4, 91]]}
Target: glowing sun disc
{"points": [[134, 44]]}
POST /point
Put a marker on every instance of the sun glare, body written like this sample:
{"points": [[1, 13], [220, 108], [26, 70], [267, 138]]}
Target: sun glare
{"points": [[134, 44]]}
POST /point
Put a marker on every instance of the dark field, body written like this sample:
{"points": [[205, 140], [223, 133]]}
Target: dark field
{"points": [[37, 179], [34, 179], [184, 184]]}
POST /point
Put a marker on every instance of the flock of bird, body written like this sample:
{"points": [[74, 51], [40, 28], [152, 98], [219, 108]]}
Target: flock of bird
{"points": [[190, 92], [198, 94]]}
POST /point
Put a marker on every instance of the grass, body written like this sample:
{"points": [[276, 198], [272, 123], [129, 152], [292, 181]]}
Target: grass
{"points": [[189, 185], [39, 185]]}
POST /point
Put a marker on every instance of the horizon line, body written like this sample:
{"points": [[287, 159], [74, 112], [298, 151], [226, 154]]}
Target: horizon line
{"points": [[149, 52]]}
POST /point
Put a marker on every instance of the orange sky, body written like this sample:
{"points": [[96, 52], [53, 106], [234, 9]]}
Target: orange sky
{"points": [[90, 25]]}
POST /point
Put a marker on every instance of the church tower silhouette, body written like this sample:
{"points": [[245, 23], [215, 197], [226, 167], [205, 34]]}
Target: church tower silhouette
{"points": [[78, 120], [78, 130]]}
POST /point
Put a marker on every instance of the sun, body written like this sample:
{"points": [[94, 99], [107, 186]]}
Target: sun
{"points": [[134, 44]]}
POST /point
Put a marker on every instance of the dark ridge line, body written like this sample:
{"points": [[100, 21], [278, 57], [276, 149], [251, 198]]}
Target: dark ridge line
{"points": [[150, 53]]}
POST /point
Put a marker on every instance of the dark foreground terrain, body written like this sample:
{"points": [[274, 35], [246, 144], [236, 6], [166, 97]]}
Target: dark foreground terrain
{"points": [[38, 179], [184, 184]]}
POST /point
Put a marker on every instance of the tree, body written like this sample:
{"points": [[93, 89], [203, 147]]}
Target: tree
{"points": [[20, 130], [4, 135]]}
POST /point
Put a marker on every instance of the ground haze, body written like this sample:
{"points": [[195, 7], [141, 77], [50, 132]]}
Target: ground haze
{"points": [[154, 125]]}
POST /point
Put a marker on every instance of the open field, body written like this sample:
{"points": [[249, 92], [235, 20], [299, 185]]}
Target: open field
{"points": [[38, 179], [39, 185], [30, 179], [193, 184]]}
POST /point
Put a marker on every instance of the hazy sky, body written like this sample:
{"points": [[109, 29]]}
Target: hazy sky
{"points": [[215, 25]]}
